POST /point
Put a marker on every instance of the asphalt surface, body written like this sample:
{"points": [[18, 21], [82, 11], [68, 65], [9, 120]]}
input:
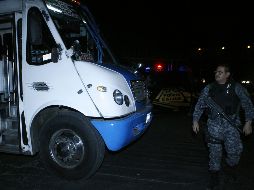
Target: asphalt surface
{"points": [[168, 156]]}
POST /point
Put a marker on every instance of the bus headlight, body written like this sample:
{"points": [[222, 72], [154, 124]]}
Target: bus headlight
{"points": [[118, 97], [126, 100]]}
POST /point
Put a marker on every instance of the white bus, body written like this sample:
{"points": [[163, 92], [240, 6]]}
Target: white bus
{"points": [[62, 93]]}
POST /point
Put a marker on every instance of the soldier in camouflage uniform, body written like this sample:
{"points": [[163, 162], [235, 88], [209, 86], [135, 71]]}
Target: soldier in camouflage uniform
{"points": [[229, 95]]}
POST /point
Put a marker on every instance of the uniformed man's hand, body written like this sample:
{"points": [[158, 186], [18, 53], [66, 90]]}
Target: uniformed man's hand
{"points": [[195, 127], [247, 129]]}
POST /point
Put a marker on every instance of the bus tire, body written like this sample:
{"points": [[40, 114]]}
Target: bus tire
{"points": [[70, 146]]}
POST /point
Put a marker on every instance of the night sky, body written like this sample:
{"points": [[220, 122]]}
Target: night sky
{"points": [[173, 29], [133, 26]]}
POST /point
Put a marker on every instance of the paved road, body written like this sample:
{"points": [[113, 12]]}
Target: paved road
{"points": [[168, 156]]}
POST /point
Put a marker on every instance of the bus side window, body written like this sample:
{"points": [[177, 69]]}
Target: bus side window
{"points": [[39, 38], [1, 47]]}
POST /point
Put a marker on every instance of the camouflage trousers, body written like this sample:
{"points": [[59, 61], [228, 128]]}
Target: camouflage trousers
{"points": [[223, 137]]}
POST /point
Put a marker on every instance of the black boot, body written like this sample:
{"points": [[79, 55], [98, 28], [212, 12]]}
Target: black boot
{"points": [[214, 180], [230, 174]]}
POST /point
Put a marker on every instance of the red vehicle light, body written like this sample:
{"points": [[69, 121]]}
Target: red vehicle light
{"points": [[158, 67], [76, 2]]}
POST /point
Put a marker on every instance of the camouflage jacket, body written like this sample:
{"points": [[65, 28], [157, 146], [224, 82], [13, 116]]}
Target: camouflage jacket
{"points": [[240, 91]]}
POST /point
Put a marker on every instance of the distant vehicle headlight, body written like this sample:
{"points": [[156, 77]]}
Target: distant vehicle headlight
{"points": [[118, 97], [245, 82]]}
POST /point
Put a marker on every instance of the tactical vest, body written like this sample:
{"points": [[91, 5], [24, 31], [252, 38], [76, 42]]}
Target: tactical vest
{"points": [[225, 96]]}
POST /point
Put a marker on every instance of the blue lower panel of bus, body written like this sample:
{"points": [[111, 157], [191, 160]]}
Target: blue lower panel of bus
{"points": [[118, 133]]}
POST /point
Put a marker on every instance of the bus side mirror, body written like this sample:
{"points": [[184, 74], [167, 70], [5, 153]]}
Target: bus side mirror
{"points": [[54, 55]]}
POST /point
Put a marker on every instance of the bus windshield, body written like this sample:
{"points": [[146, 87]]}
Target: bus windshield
{"points": [[78, 33]]}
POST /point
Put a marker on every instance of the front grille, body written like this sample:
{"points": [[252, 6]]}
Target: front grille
{"points": [[139, 90]]}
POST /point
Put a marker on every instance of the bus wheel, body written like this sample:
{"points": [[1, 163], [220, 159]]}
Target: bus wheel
{"points": [[70, 146]]}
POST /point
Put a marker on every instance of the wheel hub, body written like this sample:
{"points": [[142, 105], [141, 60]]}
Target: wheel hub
{"points": [[66, 148]]}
